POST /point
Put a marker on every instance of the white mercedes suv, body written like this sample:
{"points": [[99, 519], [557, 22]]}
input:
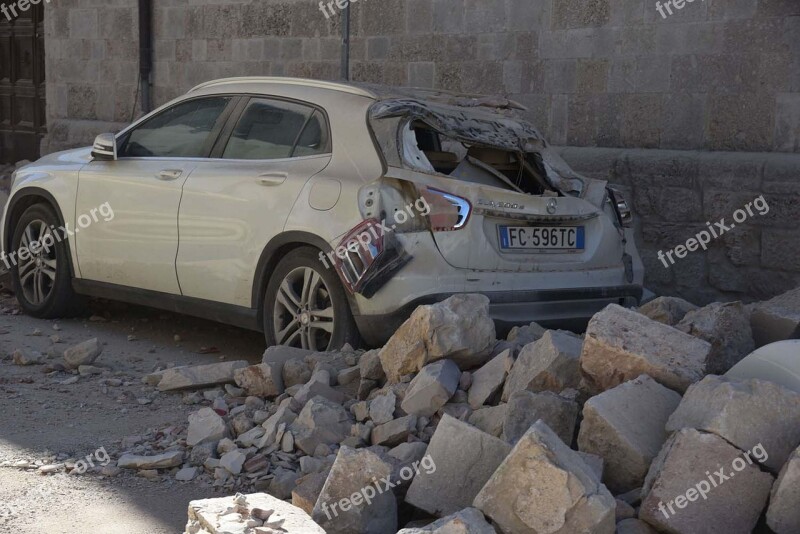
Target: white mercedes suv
{"points": [[320, 213]]}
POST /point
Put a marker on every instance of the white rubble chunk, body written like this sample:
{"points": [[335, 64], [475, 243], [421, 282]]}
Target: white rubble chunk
{"points": [[206, 426], [227, 515], [466, 521], [165, 460], [199, 376]]}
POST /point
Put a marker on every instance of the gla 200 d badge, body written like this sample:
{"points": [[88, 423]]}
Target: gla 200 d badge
{"points": [[505, 205]]}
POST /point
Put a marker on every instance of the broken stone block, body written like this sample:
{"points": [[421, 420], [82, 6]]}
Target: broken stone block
{"points": [[594, 462], [227, 515], [667, 310], [262, 380], [431, 388], [199, 376], [621, 345], [320, 422], [701, 483], [187, 474], [524, 335], [464, 460], [283, 416], [550, 364], [776, 319], [727, 327], [350, 502], [783, 515], [625, 427], [283, 483], [746, 413], [394, 432], [458, 328], [381, 408], [370, 366], [409, 452], [306, 493], [525, 408], [82, 354], [348, 376], [206, 426], [233, 461], [295, 372], [165, 460], [466, 521], [283, 354], [634, 526], [487, 380], [490, 419], [544, 486], [251, 437]]}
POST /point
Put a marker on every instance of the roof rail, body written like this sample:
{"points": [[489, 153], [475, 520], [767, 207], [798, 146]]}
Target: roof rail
{"points": [[333, 86]]}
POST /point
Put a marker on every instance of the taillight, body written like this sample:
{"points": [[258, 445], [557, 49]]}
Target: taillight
{"points": [[448, 212], [621, 207]]}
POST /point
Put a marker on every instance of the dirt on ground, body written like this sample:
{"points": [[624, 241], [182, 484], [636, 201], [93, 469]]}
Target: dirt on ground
{"points": [[45, 418]]}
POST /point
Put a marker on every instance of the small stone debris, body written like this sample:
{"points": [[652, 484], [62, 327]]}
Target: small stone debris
{"points": [[82, 354]]}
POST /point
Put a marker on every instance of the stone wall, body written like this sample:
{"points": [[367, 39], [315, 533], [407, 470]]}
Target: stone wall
{"points": [[675, 193], [715, 75]]}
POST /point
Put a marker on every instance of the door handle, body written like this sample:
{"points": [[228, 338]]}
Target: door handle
{"points": [[272, 178], [169, 174]]}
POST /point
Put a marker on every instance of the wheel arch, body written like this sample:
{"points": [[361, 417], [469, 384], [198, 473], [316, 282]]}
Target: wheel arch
{"points": [[276, 250], [21, 201]]}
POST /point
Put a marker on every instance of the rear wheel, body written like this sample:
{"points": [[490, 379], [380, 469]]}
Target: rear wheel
{"points": [[305, 305], [40, 270]]}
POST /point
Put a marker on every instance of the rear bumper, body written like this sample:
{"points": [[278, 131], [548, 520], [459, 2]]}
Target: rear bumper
{"points": [[562, 308]]}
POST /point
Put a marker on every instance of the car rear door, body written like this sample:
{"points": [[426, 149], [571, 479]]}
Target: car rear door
{"points": [[237, 201], [143, 187]]}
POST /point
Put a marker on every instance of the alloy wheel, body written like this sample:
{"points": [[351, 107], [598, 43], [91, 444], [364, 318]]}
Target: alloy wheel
{"points": [[303, 315], [37, 272]]}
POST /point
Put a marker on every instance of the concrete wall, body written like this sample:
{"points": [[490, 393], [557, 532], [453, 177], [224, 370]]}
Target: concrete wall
{"points": [[717, 75]]}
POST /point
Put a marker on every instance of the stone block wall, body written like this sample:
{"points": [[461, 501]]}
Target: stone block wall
{"points": [[676, 193]]}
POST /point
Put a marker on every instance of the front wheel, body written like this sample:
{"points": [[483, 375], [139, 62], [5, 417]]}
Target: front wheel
{"points": [[305, 305], [40, 271]]}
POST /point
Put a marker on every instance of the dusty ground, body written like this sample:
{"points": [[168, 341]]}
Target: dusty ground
{"points": [[41, 418]]}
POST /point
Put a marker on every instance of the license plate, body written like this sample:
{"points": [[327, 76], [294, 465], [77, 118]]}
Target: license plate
{"points": [[536, 238]]}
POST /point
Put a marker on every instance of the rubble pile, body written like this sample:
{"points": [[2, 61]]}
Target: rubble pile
{"points": [[446, 429]]}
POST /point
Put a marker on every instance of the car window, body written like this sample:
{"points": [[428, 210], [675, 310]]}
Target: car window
{"points": [[269, 129], [180, 131]]}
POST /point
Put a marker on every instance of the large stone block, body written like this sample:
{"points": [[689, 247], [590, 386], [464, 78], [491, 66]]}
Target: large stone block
{"points": [[343, 506], [487, 380], [625, 426], [458, 328], [320, 422], [464, 459], [467, 521], [621, 345], [747, 413], [544, 486], [667, 310], [550, 364], [236, 514], [679, 497], [525, 408], [783, 515]]}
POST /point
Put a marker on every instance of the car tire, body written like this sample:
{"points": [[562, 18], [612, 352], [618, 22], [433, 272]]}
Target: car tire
{"points": [[42, 281], [305, 305]]}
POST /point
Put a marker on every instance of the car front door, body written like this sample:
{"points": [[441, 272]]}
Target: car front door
{"points": [[240, 198], [138, 246]]}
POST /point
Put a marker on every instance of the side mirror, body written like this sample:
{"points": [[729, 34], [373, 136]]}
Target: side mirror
{"points": [[105, 147]]}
